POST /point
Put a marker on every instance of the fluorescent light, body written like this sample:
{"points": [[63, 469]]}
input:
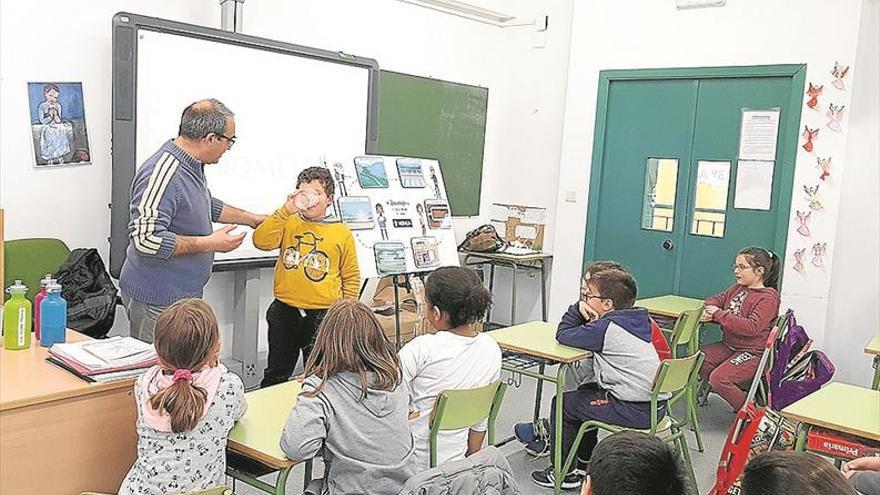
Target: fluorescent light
{"points": [[466, 10]]}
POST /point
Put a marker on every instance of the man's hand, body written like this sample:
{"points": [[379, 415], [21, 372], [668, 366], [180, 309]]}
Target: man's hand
{"points": [[587, 312], [861, 464], [257, 219], [222, 242]]}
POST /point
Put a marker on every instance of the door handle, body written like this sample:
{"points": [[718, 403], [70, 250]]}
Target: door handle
{"points": [[668, 245]]}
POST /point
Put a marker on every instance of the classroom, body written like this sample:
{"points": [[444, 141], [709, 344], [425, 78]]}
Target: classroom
{"points": [[664, 212]]}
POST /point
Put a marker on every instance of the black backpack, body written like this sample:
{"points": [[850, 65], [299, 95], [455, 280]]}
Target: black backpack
{"points": [[90, 294]]}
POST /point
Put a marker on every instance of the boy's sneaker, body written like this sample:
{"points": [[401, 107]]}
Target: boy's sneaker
{"points": [[545, 478], [535, 436]]}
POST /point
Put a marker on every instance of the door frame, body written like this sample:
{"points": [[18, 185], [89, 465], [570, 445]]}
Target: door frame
{"points": [[782, 204]]}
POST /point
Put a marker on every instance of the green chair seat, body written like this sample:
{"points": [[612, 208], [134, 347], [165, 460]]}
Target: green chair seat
{"points": [[457, 409]]}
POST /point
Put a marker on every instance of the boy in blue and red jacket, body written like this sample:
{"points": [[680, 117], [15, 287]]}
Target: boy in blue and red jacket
{"points": [[625, 362]]}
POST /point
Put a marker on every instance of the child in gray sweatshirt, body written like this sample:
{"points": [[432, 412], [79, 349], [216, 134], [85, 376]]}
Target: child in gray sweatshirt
{"points": [[353, 409]]}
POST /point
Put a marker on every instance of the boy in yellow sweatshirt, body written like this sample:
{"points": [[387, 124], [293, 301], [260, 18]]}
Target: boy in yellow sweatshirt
{"points": [[317, 266]]}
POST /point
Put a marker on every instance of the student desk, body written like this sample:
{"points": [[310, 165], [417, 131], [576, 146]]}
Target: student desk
{"points": [[258, 433], [525, 262], [839, 407], [62, 434], [669, 306], [873, 349], [534, 344]]}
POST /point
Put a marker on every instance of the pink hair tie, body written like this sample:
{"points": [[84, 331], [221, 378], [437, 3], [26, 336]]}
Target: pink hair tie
{"points": [[182, 374]]}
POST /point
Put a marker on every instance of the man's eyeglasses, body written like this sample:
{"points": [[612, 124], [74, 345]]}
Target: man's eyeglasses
{"points": [[229, 140]]}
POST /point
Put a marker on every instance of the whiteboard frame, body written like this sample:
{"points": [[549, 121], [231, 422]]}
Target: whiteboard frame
{"points": [[124, 112]]}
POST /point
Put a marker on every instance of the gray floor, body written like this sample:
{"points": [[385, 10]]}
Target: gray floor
{"points": [[519, 406]]}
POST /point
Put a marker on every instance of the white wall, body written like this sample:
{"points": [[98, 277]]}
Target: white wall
{"points": [[608, 34], [853, 316], [526, 95]]}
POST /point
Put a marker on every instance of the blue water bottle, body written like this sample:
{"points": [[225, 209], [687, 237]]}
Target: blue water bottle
{"points": [[53, 316]]}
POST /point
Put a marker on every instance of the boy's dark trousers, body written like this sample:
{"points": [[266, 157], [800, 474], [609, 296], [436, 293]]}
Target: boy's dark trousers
{"points": [[289, 333], [589, 402]]}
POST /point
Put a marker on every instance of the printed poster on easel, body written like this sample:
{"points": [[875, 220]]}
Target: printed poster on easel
{"points": [[398, 212]]}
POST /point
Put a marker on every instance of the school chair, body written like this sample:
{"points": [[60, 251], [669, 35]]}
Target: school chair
{"points": [[673, 377], [457, 409], [29, 260], [487, 471], [220, 490], [686, 333]]}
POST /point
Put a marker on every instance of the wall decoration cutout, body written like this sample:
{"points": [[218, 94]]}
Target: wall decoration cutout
{"points": [[819, 254], [438, 193], [799, 261], [839, 73], [824, 165], [809, 136], [356, 212], [371, 172], [813, 197], [804, 222], [382, 221], [814, 92], [835, 116], [339, 176], [58, 124]]}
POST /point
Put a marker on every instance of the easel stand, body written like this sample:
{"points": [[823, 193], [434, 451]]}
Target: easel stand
{"points": [[395, 285]]}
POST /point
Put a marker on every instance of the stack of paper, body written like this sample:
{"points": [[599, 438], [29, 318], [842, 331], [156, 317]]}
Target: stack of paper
{"points": [[115, 358]]}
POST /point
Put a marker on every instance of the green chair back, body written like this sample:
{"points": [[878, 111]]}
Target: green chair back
{"points": [[29, 260], [457, 409], [674, 377], [686, 331]]}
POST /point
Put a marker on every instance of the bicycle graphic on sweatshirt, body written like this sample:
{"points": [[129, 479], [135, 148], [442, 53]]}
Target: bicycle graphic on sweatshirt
{"points": [[315, 263]]}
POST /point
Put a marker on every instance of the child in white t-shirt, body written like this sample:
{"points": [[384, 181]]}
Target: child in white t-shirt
{"points": [[458, 356]]}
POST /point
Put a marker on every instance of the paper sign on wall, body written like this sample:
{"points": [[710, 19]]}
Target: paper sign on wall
{"points": [[757, 135], [754, 185]]}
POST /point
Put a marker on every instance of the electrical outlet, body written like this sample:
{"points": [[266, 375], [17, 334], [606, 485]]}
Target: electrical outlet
{"points": [[571, 196]]}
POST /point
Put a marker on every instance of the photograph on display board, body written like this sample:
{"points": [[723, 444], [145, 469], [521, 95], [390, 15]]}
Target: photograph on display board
{"points": [[410, 172], [58, 124], [390, 257], [371, 172], [437, 211], [356, 212], [426, 254]]}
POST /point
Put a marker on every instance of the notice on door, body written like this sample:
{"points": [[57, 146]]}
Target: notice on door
{"points": [[754, 185], [757, 134]]}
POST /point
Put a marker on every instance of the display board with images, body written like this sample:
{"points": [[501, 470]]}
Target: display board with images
{"points": [[398, 212]]}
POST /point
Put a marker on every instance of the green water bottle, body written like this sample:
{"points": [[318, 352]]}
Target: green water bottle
{"points": [[17, 318]]}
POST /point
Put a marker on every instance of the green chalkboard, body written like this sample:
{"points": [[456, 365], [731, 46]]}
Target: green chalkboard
{"points": [[429, 118]]}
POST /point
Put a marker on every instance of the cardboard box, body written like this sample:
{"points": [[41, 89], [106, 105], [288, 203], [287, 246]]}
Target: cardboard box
{"points": [[522, 226], [382, 304]]}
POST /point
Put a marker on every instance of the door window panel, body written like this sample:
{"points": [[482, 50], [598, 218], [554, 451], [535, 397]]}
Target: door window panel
{"points": [[710, 203], [658, 210]]}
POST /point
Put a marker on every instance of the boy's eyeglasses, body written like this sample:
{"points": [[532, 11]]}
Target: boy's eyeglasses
{"points": [[586, 297], [741, 267]]}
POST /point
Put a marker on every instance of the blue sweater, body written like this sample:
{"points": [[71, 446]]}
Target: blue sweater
{"points": [[624, 359], [169, 197]]}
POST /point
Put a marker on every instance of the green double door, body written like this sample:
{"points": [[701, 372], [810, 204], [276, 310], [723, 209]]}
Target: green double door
{"points": [[665, 165]]}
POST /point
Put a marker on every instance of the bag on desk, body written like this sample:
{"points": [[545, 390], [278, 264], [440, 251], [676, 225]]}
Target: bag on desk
{"points": [[483, 239], [90, 294]]}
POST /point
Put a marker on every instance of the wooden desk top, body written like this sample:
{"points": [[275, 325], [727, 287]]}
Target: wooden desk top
{"points": [[26, 378], [840, 407], [258, 434], [537, 338], [671, 306], [873, 347], [508, 257]]}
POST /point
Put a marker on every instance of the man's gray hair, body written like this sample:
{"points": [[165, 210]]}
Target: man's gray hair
{"points": [[204, 117]]}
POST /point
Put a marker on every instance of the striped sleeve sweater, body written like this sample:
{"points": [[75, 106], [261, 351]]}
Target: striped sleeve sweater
{"points": [[169, 197]]}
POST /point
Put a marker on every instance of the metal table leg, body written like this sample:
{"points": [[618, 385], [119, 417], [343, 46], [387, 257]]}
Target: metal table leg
{"points": [[543, 290], [557, 431], [539, 388]]}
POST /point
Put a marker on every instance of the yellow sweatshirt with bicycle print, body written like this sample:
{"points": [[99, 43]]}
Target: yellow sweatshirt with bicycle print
{"points": [[317, 264]]}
